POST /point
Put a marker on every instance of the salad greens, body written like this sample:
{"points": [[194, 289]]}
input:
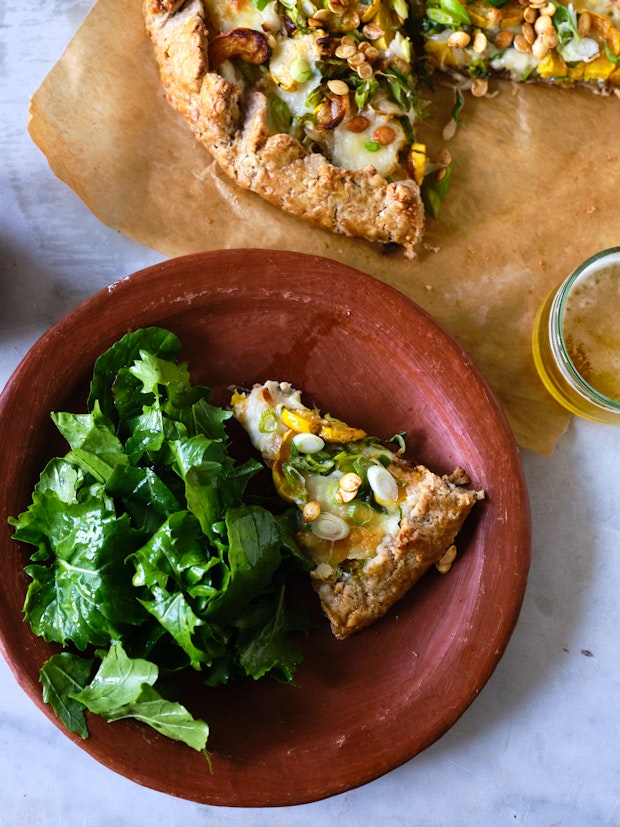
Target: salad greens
{"points": [[150, 556]]}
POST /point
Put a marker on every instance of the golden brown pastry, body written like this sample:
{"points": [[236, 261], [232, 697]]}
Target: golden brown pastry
{"points": [[371, 523], [315, 111]]}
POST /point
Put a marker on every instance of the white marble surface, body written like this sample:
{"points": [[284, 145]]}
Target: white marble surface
{"points": [[539, 746]]}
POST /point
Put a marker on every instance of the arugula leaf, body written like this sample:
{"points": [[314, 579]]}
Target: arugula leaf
{"points": [[94, 446], [147, 434], [167, 717], [144, 537], [252, 558], [176, 615], [142, 485], [167, 381], [279, 115], [62, 676], [123, 687], [118, 681], [82, 592], [85, 594], [175, 556], [265, 644], [459, 102], [57, 486], [156, 340], [448, 13], [210, 420], [435, 190], [611, 56]]}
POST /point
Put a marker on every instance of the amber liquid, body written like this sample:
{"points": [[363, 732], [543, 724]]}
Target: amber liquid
{"points": [[591, 333], [591, 329]]}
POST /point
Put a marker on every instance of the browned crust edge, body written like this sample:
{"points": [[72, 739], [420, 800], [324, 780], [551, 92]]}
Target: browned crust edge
{"points": [[234, 130], [440, 506]]}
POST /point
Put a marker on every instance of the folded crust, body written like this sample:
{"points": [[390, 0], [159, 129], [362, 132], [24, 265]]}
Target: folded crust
{"points": [[232, 125], [361, 572], [433, 514]]}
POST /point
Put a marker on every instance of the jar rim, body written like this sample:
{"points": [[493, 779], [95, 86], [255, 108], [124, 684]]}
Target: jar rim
{"points": [[556, 334]]}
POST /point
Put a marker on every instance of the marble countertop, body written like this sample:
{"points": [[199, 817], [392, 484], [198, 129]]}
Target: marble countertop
{"points": [[539, 746]]}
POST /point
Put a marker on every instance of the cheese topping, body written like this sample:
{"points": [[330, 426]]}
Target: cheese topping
{"points": [[572, 42], [355, 150], [293, 68], [353, 517], [242, 14], [602, 7], [517, 64], [328, 63]]}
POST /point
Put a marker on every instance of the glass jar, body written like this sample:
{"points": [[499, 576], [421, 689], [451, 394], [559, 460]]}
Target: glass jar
{"points": [[576, 339]]}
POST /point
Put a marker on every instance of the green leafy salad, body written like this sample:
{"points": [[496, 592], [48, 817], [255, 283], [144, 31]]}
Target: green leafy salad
{"points": [[151, 557]]}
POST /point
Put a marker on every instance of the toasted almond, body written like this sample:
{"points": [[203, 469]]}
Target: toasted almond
{"points": [[445, 563], [550, 37], [371, 52], [357, 124], [345, 50], [584, 23], [337, 6], [372, 31], [543, 23], [356, 59], [528, 32], [350, 481], [539, 49], [384, 135]]}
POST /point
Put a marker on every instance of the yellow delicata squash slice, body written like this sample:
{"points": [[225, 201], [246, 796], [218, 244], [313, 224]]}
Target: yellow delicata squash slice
{"points": [[371, 522]]}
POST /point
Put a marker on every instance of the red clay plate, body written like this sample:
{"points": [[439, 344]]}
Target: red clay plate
{"points": [[363, 352]]}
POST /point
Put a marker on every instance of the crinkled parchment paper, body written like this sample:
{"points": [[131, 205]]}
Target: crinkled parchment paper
{"points": [[535, 191]]}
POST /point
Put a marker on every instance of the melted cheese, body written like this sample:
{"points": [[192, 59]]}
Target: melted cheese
{"points": [[363, 541], [351, 149], [378, 527], [603, 7], [259, 413], [289, 58], [517, 64], [242, 14]]}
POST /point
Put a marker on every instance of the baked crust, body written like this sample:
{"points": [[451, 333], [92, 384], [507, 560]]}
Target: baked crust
{"points": [[433, 514], [361, 572], [232, 124]]}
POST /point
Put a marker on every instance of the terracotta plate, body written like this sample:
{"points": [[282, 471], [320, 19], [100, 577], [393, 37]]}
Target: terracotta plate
{"points": [[361, 351]]}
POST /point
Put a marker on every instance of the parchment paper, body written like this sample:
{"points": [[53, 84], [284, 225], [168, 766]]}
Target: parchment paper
{"points": [[535, 191]]}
